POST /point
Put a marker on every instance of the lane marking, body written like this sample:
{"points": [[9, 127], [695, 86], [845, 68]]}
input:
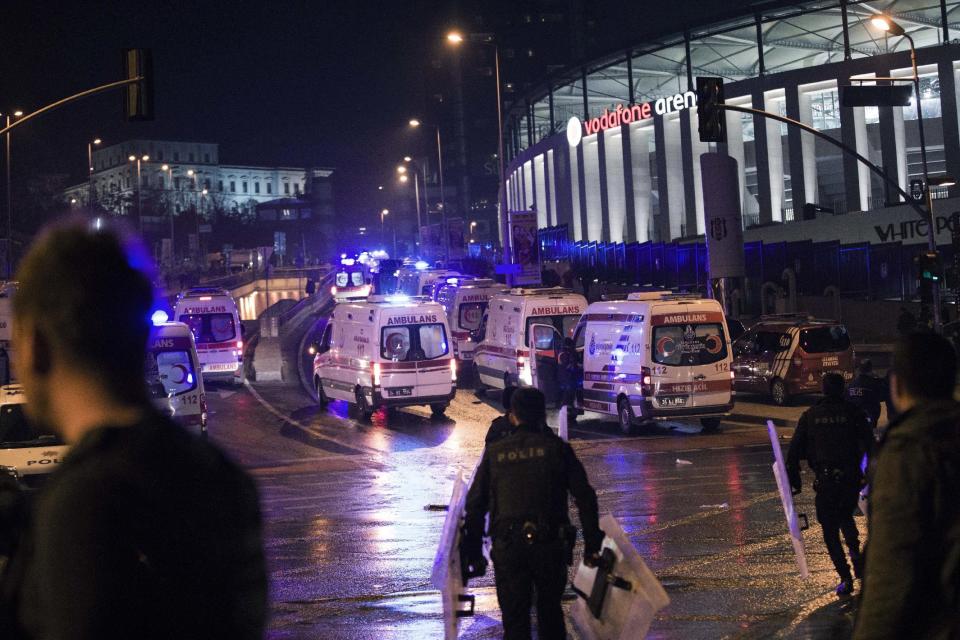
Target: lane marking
{"points": [[359, 448]]}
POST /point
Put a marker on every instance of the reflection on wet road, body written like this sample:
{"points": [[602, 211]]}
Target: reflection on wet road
{"points": [[351, 544]]}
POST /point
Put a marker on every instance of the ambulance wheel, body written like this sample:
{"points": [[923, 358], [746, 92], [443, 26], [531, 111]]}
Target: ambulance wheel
{"points": [[625, 417], [322, 398], [363, 407], [710, 425], [778, 393], [438, 409]]}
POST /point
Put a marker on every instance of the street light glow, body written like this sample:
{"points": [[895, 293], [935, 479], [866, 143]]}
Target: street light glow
{"points": [[407, 158], [146, 158], [165, 167], [454, 37], [404, 178], [401, 169], [414, 122], [17, 113], [885, 23], [385, 212], [132, 158], [97, 141]]}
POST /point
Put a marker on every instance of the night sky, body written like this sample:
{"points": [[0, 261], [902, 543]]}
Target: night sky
{"points": [[275, 83]]}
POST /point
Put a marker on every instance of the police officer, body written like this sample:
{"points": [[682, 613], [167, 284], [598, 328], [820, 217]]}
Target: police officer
{"points": [[568, 375], [523, 480], [500, 426], [832, 436], [867, 392]]}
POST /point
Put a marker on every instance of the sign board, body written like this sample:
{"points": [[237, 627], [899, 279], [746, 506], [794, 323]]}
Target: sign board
{"points": [[786, 498], [627, 113], [916, 190], [721, 208], [524, 247]]}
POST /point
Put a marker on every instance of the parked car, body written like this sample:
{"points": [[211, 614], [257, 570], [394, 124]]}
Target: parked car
{"points": [[784, 356]]}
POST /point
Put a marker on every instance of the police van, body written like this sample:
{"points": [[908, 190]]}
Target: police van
{"points": [[30, 454], [173, 375], [212, 316], [387, 351], [465, 303], [654, 356], [503, 357]]}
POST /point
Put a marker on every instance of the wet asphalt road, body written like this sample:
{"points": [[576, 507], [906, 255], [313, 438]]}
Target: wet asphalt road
{"points": [[350, 544]]}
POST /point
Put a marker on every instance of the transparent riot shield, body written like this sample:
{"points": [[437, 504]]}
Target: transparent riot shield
{"points": [[446, 575], [618, 599], [786, 497]]}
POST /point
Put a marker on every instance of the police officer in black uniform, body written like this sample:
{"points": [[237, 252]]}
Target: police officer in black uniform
{"points": [[523, 480], [867, 391], [833, 436]]}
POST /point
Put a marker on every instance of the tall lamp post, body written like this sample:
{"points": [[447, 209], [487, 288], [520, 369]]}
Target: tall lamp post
{"points": [[402, 170], [90, 145], [138, 160], [455, 38], [443, 202], [9, 252], [169, 171], [886, 24]]}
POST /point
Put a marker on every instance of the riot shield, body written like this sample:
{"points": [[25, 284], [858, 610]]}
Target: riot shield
{"points": [[563, 429], [446, 575], [786, 497], [617, 599]]}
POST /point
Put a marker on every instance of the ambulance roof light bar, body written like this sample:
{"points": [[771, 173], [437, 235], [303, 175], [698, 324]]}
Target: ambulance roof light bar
{"points": [[521, 291]]}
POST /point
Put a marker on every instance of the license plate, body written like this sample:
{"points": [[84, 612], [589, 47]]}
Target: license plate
{"points": [[220, 367], [398, 392], [672, 401]]}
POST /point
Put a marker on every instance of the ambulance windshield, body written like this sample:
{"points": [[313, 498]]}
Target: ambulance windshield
{"points": [[410, 343], [689, 344], [210, 327], [471, 313], [565, 324], [173, 370]]}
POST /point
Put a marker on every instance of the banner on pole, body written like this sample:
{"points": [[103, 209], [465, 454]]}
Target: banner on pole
{"points": [[524, 247]]}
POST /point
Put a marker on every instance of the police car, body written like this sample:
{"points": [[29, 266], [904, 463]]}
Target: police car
{"points": [[387, 351], [30, 454]]}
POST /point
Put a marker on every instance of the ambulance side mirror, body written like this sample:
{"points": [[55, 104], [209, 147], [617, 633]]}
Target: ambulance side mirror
{"points": [[542, 336]]}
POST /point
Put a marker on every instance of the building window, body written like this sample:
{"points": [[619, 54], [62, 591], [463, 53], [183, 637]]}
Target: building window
{"points": [[160, 155], [176, 156], [176, 183], [220, 185], [206, 184], [269, 187], [244, 186], [160, 181], [286, 188], [233, 186], [256, 187], [206, 158]]}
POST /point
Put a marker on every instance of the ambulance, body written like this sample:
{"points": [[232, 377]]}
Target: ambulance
{"points": [[503, 357], [352, 280], [655, 356], [465, 303], [212, 316], [173, 375], [419, 279], [386, 351], [30, 454]]}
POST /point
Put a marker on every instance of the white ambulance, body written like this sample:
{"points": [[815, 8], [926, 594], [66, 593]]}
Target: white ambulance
{"points": [[29, 453], [419, 280], [212, 316], [173, 375], [503, 357], [465, 304], [654, 356], [387, 351]]}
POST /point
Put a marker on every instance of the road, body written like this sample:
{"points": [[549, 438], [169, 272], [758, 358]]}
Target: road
{"points": [[350, 541]]}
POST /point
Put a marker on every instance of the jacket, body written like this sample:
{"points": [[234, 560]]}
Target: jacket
{"points": [[527, 476], [912, 585], [832, 434], [144, 531]]}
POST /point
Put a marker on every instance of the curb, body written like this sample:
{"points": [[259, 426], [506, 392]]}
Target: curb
{"points": [[755, 419]]}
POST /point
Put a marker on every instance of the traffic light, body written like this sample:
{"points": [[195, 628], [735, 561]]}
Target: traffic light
{"points": [[138, 96], [710, 117], [929, 267]]}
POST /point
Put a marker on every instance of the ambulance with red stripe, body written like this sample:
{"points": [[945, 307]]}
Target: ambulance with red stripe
{"points": [[465, 304], [173, 375], [656, 356], [386, 351], [504, 355], [212, 316]]}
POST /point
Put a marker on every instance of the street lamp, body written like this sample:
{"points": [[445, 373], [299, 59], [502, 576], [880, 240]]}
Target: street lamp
{"points": [[455, 38], [141, 159], [170, 207], [415, 123], [887, 24], [16, 114], [404, 179], [90, 145], [401, 169]]}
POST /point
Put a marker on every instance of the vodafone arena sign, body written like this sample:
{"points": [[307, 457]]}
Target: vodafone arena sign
{"points": [[625, 114]]}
